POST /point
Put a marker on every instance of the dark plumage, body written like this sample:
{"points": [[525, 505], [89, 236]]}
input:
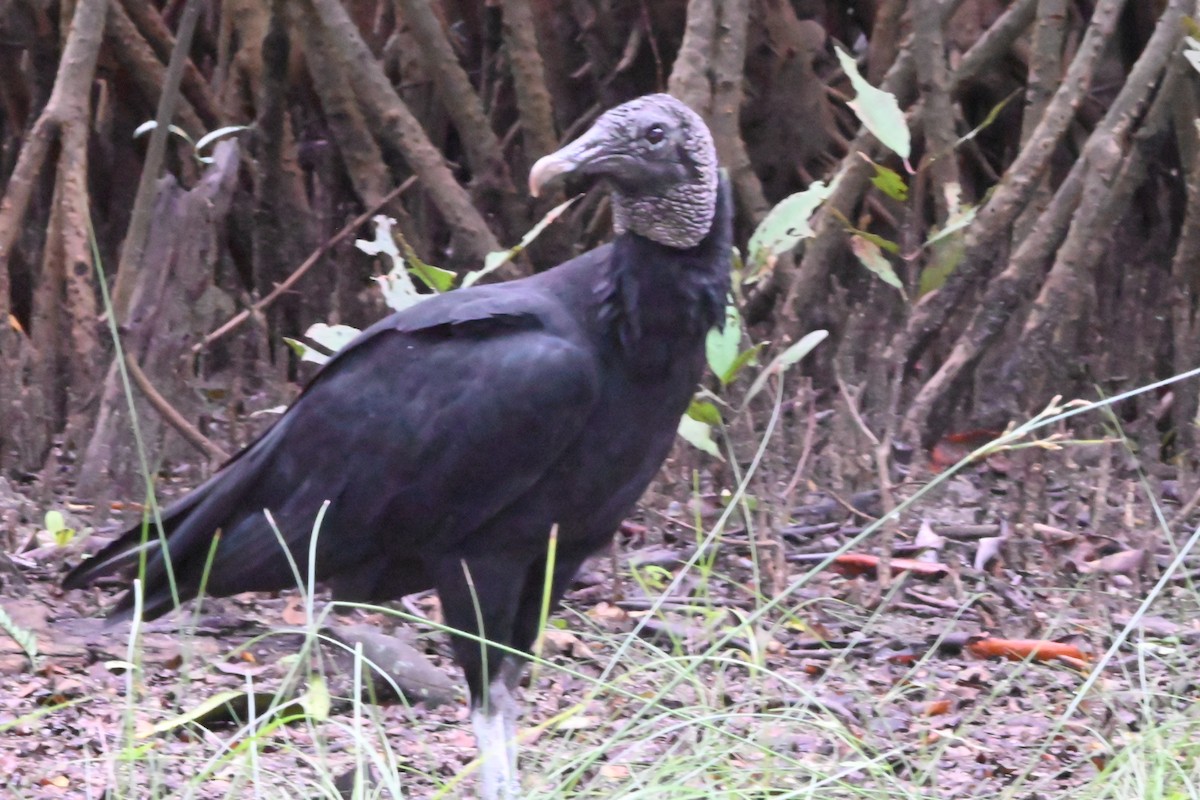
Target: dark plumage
{"points": [[449, 437]]}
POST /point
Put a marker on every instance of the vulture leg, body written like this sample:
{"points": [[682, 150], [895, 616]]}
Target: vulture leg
{"points": [[495, 723], [511, 612], [480, 596]]}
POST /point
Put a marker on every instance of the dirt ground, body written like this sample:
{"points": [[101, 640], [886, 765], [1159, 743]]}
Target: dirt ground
{"points": [[1058, 547]]}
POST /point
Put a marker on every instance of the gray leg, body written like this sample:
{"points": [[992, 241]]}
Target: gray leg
{"points": [[495, 723]]}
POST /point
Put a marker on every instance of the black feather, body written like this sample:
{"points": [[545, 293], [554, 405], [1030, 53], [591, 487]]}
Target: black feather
{"points": [[453, 435]]}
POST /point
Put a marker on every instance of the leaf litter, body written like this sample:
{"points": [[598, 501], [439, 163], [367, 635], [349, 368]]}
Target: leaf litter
{"points": [[955, 680]]}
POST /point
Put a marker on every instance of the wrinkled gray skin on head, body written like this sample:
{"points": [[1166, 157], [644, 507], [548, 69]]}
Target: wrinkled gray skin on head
{"points": [[659, 157]]}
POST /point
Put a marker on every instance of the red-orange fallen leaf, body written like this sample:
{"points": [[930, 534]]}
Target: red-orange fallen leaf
{"points": [[866, 564], [633, 529], [936, 707], [973, 438], [294, 613], [1021, 649], [955, 447]]}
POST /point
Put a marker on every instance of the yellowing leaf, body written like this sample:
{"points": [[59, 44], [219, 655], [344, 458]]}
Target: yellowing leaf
{"points": [[873, 259]]}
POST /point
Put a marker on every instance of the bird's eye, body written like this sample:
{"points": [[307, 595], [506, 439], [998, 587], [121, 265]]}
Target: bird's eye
{"points": [[655, 134]]}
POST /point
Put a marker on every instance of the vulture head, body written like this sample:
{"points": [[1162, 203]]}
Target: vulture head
{"points": [[659, 158]]}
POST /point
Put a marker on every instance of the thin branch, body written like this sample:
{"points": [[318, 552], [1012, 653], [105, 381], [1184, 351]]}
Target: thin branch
{"points": [[142, 64], [76, 69], [350, 227], [1090, 177], [1020, 180], [171, 416], [395, 123], [529, 79], [154, 30], [139, 220], [484, 154]]}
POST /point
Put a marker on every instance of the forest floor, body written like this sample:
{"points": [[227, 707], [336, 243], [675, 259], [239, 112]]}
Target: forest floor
{"points": [[844, 689]]}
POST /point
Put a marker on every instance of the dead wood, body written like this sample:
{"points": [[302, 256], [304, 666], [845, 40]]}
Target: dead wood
{"points": [[190, 433], [313, 259], [173, 299], [393, 122]]}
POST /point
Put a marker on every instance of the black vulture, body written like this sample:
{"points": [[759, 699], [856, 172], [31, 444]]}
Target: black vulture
{"points": [[450, 437]]}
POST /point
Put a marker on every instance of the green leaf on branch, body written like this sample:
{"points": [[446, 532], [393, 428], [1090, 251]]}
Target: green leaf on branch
{"points": [[493, 261], [877, 110], [744, 359], [781, 362], [722, 345], [787, 224], [399, 291], [699, 435], [331, 338], [889, 182], [706, 412]]}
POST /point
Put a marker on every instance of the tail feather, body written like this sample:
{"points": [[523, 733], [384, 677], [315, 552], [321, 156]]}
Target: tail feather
{"points": [[187, 526]]}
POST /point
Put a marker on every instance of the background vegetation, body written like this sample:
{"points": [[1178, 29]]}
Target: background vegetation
{"points": [[1038, 233]]}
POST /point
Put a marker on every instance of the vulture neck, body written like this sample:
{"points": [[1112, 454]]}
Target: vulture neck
{"points": [[661, 301]]}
